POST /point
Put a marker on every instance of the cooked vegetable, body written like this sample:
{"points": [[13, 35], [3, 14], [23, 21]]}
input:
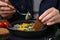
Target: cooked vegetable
{"points": [[24, 27], [27, 15]]}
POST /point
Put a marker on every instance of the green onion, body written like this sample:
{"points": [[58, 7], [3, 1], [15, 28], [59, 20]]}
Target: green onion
{"points": [[27, 16]]}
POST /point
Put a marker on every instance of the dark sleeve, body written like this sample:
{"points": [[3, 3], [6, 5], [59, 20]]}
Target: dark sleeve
{"points": [[58, 4], [16, 17], [19, 5], [58, 7]]}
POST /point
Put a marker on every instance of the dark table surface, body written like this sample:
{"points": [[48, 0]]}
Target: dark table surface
{"points": [[12, 37]]}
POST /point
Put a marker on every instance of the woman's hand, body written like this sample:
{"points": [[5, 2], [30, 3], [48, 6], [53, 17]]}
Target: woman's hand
{"points": [[6, 10], [50, 16]]}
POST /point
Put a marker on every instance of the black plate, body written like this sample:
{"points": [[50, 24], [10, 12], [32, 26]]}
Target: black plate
{"points": [[29, 34]]}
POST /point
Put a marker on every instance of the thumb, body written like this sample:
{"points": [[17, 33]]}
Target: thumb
{"points": [[6, 1]]}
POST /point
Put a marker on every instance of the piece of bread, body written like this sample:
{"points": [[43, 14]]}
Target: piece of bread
{"points": [[38, 25], [3, 31]]}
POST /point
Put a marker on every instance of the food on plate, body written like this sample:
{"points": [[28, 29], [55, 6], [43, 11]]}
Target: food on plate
{"points": [[24, 27], [32, 26], [27, 16]]}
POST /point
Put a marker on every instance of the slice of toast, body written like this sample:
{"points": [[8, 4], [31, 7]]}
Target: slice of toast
{"points": [[38, 25]]}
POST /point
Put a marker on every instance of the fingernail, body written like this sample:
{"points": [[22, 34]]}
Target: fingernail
{"points": [[39, 18], [48, 23], [42, 20]]}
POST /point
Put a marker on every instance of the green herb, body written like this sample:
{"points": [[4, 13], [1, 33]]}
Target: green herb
{"points": [[27, 15]]}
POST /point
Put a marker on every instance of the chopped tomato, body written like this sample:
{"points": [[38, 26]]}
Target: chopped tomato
{"points": [[1, 25], [4, 24]]}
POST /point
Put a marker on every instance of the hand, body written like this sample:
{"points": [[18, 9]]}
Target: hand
{"points": [[50, 16], [6, 10]]}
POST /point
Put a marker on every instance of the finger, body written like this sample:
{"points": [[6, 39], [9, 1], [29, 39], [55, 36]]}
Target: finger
{"points": [[49, 16], [3, 4], [10, 6], [7, 12], [53, 18], [6, 15], [46, 13], [6, 1], [5, 9], [2, 0], [51, 23]]}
